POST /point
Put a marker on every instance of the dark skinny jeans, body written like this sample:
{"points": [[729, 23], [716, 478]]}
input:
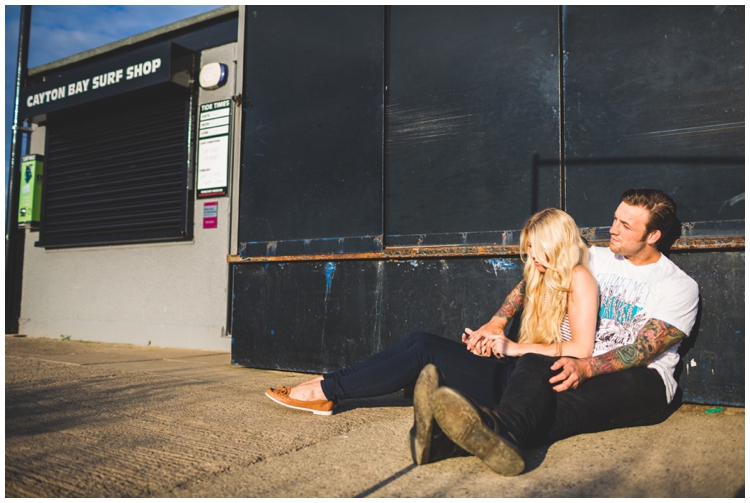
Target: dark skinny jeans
{"points": [[537, 415], [483, 379]]}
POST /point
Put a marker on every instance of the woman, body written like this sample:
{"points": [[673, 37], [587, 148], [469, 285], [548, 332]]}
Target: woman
{"points": [[559, 298]]}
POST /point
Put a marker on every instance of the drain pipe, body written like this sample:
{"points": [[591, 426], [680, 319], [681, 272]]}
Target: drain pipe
{"points": [[15, 237]]}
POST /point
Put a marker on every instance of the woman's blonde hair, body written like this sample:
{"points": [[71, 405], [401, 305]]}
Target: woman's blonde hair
{"points": [[558, 246]]}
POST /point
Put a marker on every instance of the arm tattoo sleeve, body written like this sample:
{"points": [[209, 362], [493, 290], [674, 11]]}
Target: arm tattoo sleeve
{"points": [[655, 337], [513, 301]]}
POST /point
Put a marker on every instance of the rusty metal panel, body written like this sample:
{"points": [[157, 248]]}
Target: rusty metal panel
{"points": [[596, 236]]}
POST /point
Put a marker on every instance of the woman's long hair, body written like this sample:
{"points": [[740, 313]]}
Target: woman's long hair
{"points": [[558, 246]]}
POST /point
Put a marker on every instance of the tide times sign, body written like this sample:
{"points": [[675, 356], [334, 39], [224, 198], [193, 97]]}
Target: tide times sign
{"points": [[213, 149], [156, 64]]}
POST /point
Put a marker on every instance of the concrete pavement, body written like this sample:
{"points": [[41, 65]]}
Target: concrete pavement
{"points": [[113, 420]]}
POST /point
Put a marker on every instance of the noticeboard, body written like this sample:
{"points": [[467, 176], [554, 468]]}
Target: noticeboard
{"points": [[213, 149]]}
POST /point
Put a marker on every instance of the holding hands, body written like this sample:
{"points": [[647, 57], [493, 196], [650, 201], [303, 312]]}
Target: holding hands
{"points": [[476, 340], [489, 340]]}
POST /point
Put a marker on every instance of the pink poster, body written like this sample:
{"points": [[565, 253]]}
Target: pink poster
{"points": [[210, 214]]}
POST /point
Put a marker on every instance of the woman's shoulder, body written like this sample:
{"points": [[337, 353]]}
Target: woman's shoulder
{"points": [[582, 276], [581, 269]]}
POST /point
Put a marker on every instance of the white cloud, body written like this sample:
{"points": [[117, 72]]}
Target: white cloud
{"points": [[61, 31], [52, 43]]}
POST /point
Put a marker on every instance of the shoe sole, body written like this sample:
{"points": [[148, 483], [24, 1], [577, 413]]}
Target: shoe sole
{"points": [[460, 420], [420, 435], [318, 412]]}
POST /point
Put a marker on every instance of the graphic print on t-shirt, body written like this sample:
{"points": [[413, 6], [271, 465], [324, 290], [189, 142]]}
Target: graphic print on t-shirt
{"points": [[621, 314]]}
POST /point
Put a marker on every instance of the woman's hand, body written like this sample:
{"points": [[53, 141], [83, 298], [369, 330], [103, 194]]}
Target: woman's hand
{"points": [[502, 346]]}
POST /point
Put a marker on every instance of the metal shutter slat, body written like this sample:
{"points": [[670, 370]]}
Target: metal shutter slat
{"points": [[116, 171]]}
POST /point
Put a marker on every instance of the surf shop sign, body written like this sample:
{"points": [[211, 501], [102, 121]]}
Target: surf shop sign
{"points": [[128, 72]]}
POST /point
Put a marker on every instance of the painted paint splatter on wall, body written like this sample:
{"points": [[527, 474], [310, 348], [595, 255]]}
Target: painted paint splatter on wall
{"points": [[330, 270], [501, 264]]}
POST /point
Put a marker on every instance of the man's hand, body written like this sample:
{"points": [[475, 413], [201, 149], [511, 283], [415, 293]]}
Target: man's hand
{"points": [[653, 339], [478, 341], [574, 372]]}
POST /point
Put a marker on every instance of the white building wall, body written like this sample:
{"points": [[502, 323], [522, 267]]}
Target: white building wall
{"points": [[166, 294]]}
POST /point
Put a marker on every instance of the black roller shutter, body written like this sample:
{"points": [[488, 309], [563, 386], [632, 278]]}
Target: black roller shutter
{"points": [[117, 171]]}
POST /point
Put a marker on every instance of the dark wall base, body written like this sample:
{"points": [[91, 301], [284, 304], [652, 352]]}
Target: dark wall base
{"points": [[322, 316], [712, 369]]}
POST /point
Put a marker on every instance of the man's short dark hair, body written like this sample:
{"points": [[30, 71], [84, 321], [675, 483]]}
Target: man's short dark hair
{"points": [[662, 208]]}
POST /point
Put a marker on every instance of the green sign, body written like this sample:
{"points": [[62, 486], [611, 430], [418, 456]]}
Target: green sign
{"points": [[30, 200]]}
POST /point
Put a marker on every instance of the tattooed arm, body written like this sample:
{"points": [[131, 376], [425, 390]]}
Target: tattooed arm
{"points": [[513, 302], [654, 338]]}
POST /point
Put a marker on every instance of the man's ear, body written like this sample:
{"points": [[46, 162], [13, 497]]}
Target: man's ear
{"points": [[653, 238]]}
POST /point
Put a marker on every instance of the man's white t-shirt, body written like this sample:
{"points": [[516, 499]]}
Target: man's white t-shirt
{"points": [[630, 295]]}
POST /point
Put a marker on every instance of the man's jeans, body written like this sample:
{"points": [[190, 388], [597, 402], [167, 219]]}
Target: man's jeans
{"points": [[482, 379], [538, 415]]}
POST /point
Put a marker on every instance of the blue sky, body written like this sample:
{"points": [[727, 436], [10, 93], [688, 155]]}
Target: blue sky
{"points": [[61, 31]]}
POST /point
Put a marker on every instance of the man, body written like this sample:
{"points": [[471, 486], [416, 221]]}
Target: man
{"points": [[647, 306]]}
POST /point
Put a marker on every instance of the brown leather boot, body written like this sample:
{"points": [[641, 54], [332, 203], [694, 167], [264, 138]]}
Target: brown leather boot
{"points": [[427, 441], [477, 430]]}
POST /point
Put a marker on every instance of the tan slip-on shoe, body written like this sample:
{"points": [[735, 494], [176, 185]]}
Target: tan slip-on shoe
{"points": [[281, 396]]}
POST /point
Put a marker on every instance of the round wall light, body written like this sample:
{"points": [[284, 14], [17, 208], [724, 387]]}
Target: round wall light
{"points": [[213, 76]]}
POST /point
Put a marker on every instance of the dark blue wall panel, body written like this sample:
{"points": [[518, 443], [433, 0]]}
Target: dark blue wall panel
{"points": [[312, 160], [655, 97], [317, 316], [461, 148], [473, 96], [712, 369]]}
